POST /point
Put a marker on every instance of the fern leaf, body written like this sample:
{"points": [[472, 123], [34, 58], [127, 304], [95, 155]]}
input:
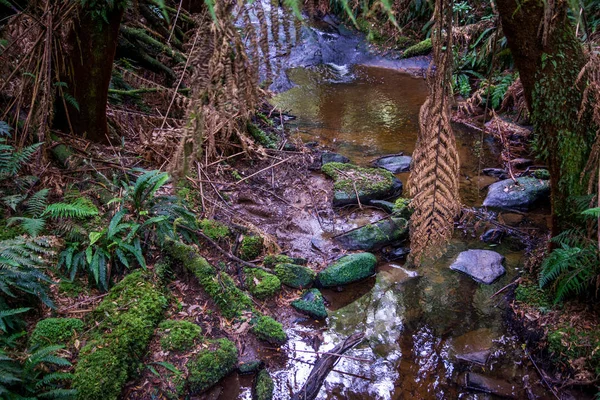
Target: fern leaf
{"points": [[36, 204], [80, 208], [32, 226]]}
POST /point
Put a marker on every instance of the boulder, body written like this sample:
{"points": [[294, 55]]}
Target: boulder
{"points": [[485, 384], [333, 157], [394, 164], [374, 236], [495, 172], [368, 183], [348, 269], [386, 206], [312, 304], [484, 266], [294, 275], [508, 195]]}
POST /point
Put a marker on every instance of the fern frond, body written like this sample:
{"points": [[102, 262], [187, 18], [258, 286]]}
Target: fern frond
{"points": [[80, 208], [32, 226], [36, 204]]}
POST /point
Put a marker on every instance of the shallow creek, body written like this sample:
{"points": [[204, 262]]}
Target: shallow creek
{"points": [[417, 323]]}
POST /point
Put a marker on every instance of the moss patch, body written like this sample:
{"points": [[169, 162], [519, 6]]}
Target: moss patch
{"points": [[263, 386], [51, 331], [532, 295], [214, 229], [261, 137], [261, 284], [219, 286], [211, 365], [402, 208], [178, 335], [348, 269], [250, 367], [567, 344], [294, 275], [267, 329], [127, 317], [272, 260], [311, 303], [418, 49], [251, 247]]}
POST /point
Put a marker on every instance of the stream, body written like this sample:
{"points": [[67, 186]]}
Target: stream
{"points": [[424, 328]]}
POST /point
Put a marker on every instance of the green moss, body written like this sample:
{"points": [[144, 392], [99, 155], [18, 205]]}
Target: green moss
{"points": [[350, 268], [267, 329], [311, 303], [126, 321], [567, 344], [263, 386], [402, 208], [541, 174], [263, 138], [272, 260], [250, 367], [71, 289], [214, 229], [211, 365], [294, 275], [251, 247], [418, 49], [402, 42], [51, 331], [532, 295], [219, 286], [261, 284], [178, 335]]}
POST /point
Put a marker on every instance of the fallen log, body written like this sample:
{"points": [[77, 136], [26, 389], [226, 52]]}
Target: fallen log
{"points": [[324, 365]]}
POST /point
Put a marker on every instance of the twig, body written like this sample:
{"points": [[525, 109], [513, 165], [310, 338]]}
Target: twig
{"points": [[320, 353], [540, 373], [505, 287], [337, 370], [264, 169]]}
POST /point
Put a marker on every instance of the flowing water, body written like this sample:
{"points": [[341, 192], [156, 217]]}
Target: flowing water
{"points": [[417, 323]]}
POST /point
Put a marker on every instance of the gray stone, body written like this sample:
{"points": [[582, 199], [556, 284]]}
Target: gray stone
{"points": [[386, 206], [508, 195], [485, 384], [477, 357], [484, 266], [394, 164], [374, 236], [495, 172], [399, 253], [492, 236], [333, 157]]}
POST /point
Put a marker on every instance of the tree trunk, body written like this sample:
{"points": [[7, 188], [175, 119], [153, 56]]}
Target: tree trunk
{"points": [[549, 73], [94, 42]]}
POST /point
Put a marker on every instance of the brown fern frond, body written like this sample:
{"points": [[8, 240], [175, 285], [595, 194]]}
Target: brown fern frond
{"points": [[590, 74], [434, 178]]}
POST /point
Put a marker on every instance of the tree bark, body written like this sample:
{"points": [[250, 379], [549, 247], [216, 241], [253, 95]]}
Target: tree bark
{"points": [[549, 73], [94, 43]]}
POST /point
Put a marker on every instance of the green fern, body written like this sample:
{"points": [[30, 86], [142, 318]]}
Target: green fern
{"points": [[7, 322], [80, 208]]}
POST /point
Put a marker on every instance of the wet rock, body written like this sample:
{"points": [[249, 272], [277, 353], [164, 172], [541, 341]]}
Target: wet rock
{"points": [[294, 275], [507, 195], [312, 304], [541, 174], [348, 269], [319, 244], [477, 357], [485, 384], [333, 157], [211, 365], [394, 164], [402, 208], [250, 367], [398, 253], [368, 183], [492, 236], [386, 206], [374, 236], [495, 172], [484, 266], [268, 330]]}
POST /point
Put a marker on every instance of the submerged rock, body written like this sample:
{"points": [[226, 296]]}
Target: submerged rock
{"points": [[492, 236], [397, 253], [348, 269], [250, 367], [485, 384], [386, 206], [333, 157], [368, 183], [507, 195], [484, 266], [374, 236], [394, 164], [294, 275], [312, 304]]}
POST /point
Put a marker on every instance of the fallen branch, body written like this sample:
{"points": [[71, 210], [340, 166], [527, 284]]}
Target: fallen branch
{"points": [[505, 287], [323, 366], [337, 370], [264, 169]]}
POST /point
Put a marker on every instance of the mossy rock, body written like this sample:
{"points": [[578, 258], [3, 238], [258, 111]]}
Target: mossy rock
{"points": [[273, 259], [250, 367], [312, 304], [214, 229], [375, 236], [263, 387], [522, 196], [419, 49], [52, 331], [219, 286], [402, 42], [262, 137], [178, 335], [296, 276], [348, 269], [127, 318], [267, 329], [402, 208], [541, 174], [251, 247], [370, 183], [261, 284], [211, 365]]}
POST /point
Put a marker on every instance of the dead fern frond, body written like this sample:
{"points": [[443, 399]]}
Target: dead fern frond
{"points": [[434, 178], [591, 100]]}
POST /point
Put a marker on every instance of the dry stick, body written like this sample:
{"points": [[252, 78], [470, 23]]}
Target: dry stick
{"points": [[89, 300], [175, 22], [337, 370], [505, 287], [540, 373], [332, 353], [264, 169], [200, 183], [323, 366], [353, 185]]}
